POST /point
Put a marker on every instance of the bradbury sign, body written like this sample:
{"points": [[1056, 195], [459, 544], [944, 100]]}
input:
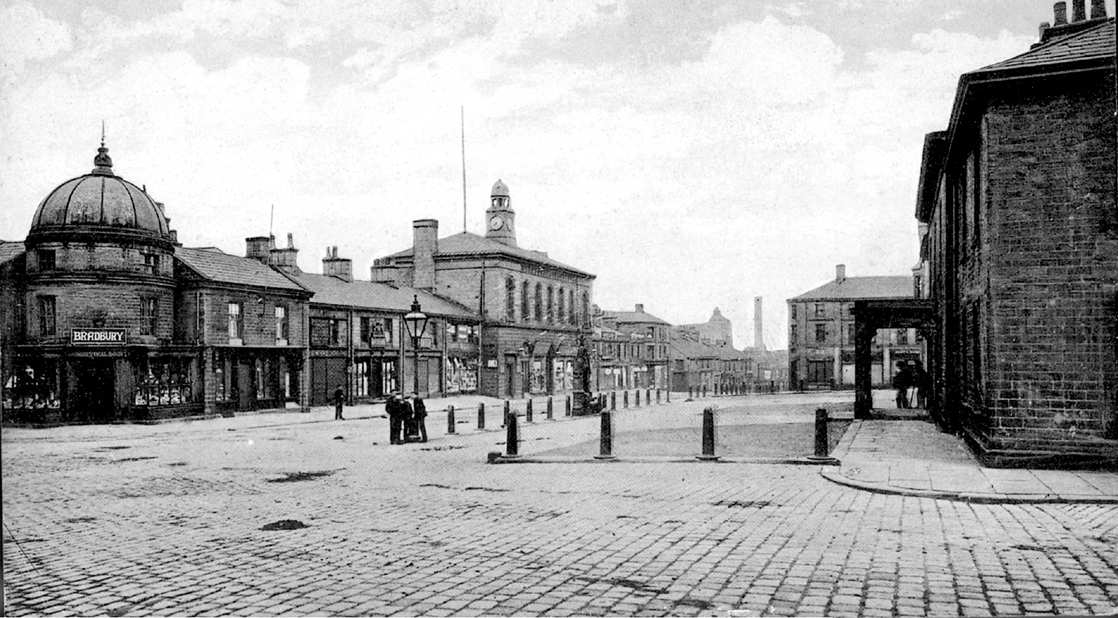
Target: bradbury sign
{"points": [[96, 336]]}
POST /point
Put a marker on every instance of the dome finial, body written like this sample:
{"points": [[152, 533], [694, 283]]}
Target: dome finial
{"points": [[102, 164]]}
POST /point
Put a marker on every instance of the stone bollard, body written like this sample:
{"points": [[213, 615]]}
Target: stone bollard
{"points": [[605, 450], [549, 412], [657, 396], [648, 397], [505, 413], [668, 394], [528, 411], [625, 399], [637, 398], [613, 400], [567, 405], [689, 395], [512, 438], [704, 390], [481, 415], [450, 419], [708, 435], [821, 444]]}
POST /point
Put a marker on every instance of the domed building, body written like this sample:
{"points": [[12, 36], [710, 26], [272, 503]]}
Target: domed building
{"points": [[106, 318]]}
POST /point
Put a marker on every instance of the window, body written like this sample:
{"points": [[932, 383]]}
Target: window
{"points": [[585, 306], [47, 326], [550, 304], [525, 295], [539, 302], [793, 335], [510, 299], [221, 387], [264, 378], [46, 259], [166, 382], [281, 324], [321, 332], [793, 310], [151, 263], [850, 334], [562, 316], [235, 326], [820, 333], [148, 317], [338, 332], [366, 330], [902, 336], [389, 331], [361, 374], [820, 310], [572, 316], [970, 198]]}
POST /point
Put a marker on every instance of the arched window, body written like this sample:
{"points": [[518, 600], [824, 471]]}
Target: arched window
{"points": [[585, 307], [562, 316], [550, 304], [539, 302], [510, 299], [525, 315], [573, 317]]}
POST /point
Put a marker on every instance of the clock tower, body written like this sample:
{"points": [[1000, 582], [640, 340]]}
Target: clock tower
{"points": [[499, 217]]}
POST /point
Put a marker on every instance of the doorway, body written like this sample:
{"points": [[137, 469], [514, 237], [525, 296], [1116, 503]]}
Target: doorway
{"points": [[94, 391]]}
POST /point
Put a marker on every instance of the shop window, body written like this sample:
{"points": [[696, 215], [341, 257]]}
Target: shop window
{"points": [[47, 325], [148, 315], [46, 259], [33, 385], [282, 324], [388, 376], [220, 376], [361, 377], [235, 322], [264, 378], [163, 382]]}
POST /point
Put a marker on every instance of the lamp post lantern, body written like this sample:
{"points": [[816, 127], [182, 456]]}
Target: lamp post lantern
{"points": [[416, 323]]}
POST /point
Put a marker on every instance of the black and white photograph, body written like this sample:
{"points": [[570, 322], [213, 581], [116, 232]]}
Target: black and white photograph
{"points": [[559, 308]]}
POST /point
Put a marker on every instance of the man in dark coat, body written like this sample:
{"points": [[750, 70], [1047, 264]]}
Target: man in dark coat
{"points": [[419, 416], [901, 381], [396, 410], [339, 401]]}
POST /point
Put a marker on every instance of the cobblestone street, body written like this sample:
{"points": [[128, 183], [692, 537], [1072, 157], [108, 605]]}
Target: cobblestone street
{"points": [[173, 519]]}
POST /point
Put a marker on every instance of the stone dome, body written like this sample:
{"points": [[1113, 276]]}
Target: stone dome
{"points": [[500, 189], [100, 202]]}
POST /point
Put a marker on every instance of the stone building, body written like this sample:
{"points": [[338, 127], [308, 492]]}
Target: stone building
{"points": [[533, 309], [1018, 209], [718, 329], [633, 348], [358, 339], [821, 332]]}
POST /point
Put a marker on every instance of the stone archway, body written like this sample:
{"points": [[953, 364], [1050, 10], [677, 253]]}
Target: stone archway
{"points": [[871, 315]]}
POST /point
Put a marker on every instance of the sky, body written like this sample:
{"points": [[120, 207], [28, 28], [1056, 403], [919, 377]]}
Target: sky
{"points": [[691, 153]]}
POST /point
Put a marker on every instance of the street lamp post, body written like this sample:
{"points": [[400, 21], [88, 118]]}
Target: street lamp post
{"points": [[416, 322]]}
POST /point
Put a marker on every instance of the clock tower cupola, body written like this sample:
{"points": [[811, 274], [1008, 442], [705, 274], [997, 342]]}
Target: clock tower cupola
{"points": [[499, 217]]}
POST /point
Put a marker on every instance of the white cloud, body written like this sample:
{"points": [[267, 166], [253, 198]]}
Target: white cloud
{"points": [[27, 35]]}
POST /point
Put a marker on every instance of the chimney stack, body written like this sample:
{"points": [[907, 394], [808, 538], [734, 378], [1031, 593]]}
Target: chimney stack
{"points": [[334, 266], [1098, 9], [758, 330], [286, 258], [257, 248], [1078, 10], [1060, 13], [639, 308], [840, 273], [425, 244]]}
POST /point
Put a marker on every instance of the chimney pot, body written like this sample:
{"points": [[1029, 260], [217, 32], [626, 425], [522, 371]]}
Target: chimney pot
{"points": [[1078, 10], [1060, 13], [640, 308], [1098, 9], [840, 272], [290, 240]]}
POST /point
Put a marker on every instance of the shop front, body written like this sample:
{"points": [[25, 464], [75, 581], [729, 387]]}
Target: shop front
{"points": [[261, 378]]}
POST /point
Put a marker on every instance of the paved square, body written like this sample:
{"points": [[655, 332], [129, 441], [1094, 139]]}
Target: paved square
{"points": [[168, 520]]}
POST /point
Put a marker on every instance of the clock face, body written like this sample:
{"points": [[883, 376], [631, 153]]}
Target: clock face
{"points": [[496, 223]]}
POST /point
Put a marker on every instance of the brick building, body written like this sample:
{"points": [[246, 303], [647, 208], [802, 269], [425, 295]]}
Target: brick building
{"points": [[533, 309], [821, 332], [1018, 208]]}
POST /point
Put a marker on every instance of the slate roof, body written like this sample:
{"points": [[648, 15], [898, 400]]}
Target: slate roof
{"points": [[857, 288], [1092, 43], [634, 317], [10, 250], [218, 266], [467, 243], [689, 348], [329, 290]]}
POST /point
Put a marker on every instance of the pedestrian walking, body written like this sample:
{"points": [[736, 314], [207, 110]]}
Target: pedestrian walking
{"points": [[419, 416], [923, 385], [901, 381], [339, 401], [396, 410]]}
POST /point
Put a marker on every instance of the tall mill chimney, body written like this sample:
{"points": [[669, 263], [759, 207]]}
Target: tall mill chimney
{"points": [[758, 325]]}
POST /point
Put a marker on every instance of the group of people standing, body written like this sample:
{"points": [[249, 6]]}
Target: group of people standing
{"points": [[406, 418], [912, 381]]}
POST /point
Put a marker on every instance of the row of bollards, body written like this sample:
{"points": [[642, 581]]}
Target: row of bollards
{"points": [[605, 443]]}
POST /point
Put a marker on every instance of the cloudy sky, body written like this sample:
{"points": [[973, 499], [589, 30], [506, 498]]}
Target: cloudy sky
{"points": [[692, 154]]}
